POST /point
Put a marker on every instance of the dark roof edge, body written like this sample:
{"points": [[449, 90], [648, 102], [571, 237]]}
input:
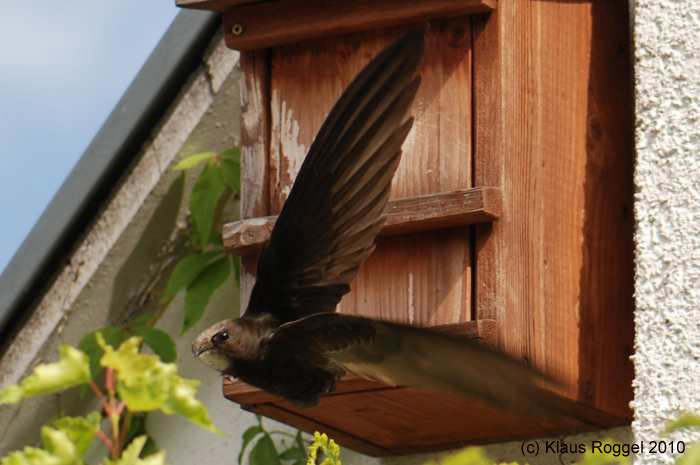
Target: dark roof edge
{"points": [[113, 149]]}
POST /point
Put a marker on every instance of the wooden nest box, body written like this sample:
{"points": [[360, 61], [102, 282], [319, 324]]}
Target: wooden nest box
{"points": [[511, 218]]}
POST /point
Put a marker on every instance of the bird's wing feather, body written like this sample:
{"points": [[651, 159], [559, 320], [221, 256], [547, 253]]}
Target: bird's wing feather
{"points": [[402, 355], [328, 224]]}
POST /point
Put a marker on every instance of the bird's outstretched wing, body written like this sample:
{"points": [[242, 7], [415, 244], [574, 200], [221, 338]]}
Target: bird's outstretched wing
{"points": [[328, 224], [402, 355]]}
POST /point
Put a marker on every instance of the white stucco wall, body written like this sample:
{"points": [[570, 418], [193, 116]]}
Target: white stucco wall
{"points": [[667, 208]]}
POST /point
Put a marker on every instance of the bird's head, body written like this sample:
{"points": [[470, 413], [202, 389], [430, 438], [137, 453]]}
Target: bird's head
{"points": [[216, 346]]}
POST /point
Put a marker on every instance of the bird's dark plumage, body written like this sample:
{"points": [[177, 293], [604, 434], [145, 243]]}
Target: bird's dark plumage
{"points": [[328, 224], [289, 342]]}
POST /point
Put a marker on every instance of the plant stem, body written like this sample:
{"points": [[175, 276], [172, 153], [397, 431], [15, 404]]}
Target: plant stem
{"points": [[100, 396], [113, 412], [105, 440], [96, 389], [126, 426]]}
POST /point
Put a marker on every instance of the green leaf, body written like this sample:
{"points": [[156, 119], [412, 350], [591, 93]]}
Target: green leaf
{"points": [[137, 427], [72, 369], [182, 402], [186, 271], [206, 193], [230, 165], [193, 160], [201, 290], [236, 263], [11, 394], [145, 383], [151, 447], [159, 341], [88, 344], [264, 452], [691, 456], [58, 443], [58, 450], [686, 420], [32, 456], [248, 435], [293, 453], [299, 440], [80, 430], [131, 455], [232, 154]]}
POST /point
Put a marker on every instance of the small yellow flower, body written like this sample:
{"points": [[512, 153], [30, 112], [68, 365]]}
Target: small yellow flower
{"points": [[330, 450]]}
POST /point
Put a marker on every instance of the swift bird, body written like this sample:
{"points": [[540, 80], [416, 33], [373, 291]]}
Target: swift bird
{"points": [[289, 341]]}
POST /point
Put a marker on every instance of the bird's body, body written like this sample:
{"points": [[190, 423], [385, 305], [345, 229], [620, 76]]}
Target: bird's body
{"points": [[289, 341], [298, 375]]}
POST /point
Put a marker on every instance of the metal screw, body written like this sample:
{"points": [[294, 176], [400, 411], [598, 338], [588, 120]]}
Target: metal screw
{"points": [[237, 29]]}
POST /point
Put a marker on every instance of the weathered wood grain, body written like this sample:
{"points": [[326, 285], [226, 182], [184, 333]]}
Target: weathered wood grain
{"points": [[280, 22], [403, 216], [246, 237], [397, 421], [255, 149], [553, 129]]}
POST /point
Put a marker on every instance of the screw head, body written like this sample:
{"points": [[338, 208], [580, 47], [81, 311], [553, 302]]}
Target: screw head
{"points": [[237, 29]]}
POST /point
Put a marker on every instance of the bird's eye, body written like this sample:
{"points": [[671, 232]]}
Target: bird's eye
{"points": [[220, 338]]}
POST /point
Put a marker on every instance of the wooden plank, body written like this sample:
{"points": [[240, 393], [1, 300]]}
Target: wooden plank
{"points": [[280, 22], [406, 421], [442, 210], [607, 276], [242, 393], [403, 216], [213, 5], [553, 129], [255, 149], [245, 394]]}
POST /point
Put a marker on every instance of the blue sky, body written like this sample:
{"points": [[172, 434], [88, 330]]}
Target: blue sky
{"points": [[63, 67]]}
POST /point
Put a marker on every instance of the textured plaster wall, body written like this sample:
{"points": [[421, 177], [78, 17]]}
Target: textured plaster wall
{"points": [[667, 208]]}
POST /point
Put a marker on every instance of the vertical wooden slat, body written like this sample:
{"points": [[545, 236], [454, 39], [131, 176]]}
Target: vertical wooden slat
{"points": [[545, 132], [255, 144], [607, 299], [424, 278]]}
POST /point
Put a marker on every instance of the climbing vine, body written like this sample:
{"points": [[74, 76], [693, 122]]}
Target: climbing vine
{"points": [[199, 272], [134, 383]]}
